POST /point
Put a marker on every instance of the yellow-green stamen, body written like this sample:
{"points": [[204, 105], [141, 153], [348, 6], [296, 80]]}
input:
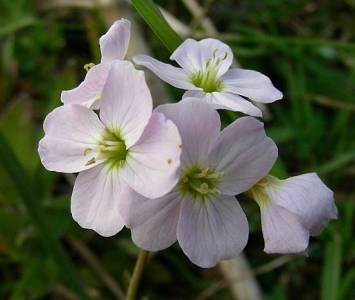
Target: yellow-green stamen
{"points": [[207, 77]]}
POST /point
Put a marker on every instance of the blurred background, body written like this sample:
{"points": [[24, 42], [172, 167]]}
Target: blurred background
{"points": [[306, 47]]}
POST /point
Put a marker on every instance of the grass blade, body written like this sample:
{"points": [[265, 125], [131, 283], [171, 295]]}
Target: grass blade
{"points": [[331, 269], [153, 17], [21, 180]]}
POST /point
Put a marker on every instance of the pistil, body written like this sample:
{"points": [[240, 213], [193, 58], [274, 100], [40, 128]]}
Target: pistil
{"points": [[200, 182]]}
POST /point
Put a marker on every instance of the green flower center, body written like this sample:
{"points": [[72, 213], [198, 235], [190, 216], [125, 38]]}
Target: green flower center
{"points": [[207, 77], [112, 149], [200, 182], [259, 191]]}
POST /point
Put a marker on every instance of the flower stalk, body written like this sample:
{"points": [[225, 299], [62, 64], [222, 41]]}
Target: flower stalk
{"points": [[137, 275]]}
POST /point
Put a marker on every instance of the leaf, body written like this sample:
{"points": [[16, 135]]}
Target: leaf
{"points": [[331, 269], [153, 17], [347, 284]]}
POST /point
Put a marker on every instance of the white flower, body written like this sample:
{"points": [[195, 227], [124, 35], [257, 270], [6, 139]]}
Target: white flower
{"points": [[205, 74], [201, 212], [113, 46], [127, 149], [292, 210]]}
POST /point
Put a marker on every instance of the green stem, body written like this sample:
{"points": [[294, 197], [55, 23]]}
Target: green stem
{"points": [[23, 183], [137, 275]]}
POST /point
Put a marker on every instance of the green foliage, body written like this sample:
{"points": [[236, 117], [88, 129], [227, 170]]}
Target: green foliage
{"points": [[152, 15]]}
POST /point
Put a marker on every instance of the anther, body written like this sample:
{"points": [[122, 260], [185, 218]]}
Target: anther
{"points": [[91, 161], [87, 150], [88, 66]]}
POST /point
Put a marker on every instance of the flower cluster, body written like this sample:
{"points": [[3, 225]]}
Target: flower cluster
{"points": [[171, 174]]}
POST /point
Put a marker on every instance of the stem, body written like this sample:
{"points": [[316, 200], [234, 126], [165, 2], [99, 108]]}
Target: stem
{"points": [[137, 275]]}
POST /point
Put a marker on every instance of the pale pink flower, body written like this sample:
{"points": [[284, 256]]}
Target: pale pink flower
{"points": [[205, 73], [292, 210], [124, 152], [113, 45], [201, 212]]}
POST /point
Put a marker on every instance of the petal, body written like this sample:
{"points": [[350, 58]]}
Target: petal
{"points": [[199, 126], [282, 230], [212, 230], [175, 76], [152, 164], [193, 55], [126, 103], [70, 130], [251, 84], [95, 200], [307, 197], [88, 93], [153, 221], [224, 100], [244, 154], [114, 43]]}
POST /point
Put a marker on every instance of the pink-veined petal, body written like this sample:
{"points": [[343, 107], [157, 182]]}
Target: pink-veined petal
{"points": [[251, 84], [71, 136], [175, 76], [88, 93], [282, 230], [152, 164], [193, 55], [126, 103], [95, 200], [244, 154], [199, 126], [224, 100], [307, 197], [114, 43], [153, 221], [212, 230]]}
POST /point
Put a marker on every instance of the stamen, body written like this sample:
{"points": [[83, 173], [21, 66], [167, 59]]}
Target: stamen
{"points": [[88, 66], [87, 150], [90, 161], [207, 77]]}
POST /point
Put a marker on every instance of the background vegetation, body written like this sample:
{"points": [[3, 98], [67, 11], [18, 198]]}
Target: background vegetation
{"points": [[306, 47]]}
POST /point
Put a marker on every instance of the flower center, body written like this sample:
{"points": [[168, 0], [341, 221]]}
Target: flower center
{"points": [[200, 182], [259, 191], [112, 149], [207, 77]]}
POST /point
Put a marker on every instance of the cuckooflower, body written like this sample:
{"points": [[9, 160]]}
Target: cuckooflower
{"points": [[205, 74], [127, 149], [292, 210], [201, 212], [113, 45]]}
